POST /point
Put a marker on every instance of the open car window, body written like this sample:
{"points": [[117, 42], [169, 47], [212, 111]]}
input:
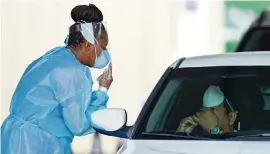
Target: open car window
{"points": [[247, 88]]}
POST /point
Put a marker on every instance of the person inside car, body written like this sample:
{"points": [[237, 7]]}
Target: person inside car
{"points": [[216, 115]]}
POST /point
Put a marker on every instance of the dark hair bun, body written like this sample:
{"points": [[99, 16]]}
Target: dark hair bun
{"points": [[87, 13]]}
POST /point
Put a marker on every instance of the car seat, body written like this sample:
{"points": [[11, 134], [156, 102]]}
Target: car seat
{"points": [[248, 100]]}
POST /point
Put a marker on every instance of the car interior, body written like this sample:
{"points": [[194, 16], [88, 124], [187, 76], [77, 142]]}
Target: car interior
{"points": [[242, 92]]}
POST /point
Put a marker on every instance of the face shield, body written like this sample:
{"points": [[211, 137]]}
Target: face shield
{"points": [[91, 32]]}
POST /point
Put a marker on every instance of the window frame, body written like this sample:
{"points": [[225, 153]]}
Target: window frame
{"points": [[171, 73]]}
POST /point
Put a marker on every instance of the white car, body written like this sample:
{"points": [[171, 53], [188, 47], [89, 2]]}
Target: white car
{"points": [[244, 78]]}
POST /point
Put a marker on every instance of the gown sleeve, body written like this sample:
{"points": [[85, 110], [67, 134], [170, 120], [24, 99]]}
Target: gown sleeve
{"points": [[73, 90]]}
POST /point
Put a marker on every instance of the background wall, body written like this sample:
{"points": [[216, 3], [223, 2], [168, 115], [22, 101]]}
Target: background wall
{"points": [[146, 36]]}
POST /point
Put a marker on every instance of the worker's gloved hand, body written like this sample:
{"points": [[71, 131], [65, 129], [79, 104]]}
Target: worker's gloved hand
{"points": [[207, 119], [106, 79]]}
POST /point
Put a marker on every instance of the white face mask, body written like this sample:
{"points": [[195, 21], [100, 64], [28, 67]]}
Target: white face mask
{"points": [[104, 58]]}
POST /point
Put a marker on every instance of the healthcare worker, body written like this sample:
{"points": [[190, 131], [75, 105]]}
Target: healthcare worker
{"points": [[54, 99]]}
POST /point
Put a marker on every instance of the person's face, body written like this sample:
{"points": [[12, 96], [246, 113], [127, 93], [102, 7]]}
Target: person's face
{"points": [[91, 51], [226, 120]]}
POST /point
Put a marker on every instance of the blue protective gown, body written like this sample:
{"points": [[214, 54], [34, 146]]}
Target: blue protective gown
{"points": [[52, 102]]}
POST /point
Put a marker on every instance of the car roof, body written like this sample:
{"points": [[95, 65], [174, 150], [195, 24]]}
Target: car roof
{"points": [[258, 58]]}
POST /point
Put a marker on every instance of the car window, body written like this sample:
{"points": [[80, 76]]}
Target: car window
{"points": [[246, 91]]}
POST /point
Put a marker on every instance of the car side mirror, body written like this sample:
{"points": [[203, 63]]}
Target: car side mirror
{"points": [[111, 122]]}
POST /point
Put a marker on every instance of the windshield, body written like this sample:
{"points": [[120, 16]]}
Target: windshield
{"points": [[211, 102], [257, 40]]}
